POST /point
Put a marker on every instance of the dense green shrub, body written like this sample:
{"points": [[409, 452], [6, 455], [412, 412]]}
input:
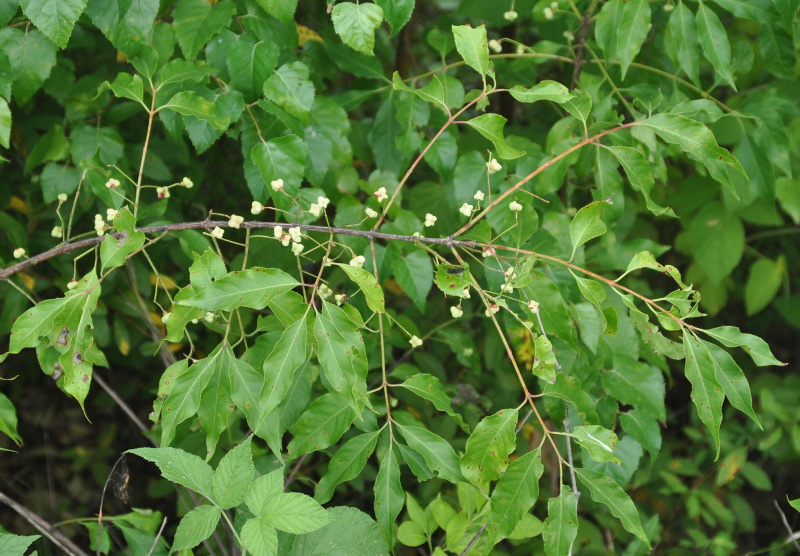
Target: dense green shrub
{"points": [[463, 276]]}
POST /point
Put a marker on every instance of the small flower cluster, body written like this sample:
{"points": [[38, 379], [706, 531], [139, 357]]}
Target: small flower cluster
{"points": [[510, 274], [19, 252], [277, 185], [99, 224], [466, 209], [493, 166], [293, 235], [381, 195], [430, 220], [549, 12], [415, 341], [235, 221], [370, 213], [319, 207], [514, 206], [358, 261]]}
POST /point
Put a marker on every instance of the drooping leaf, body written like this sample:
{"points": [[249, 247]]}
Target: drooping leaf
{"points": [[488, 447], [8, 420], [561, 525], [54, 18], [254, 288], [637, 384], [642, 427], [491, 126], [396, 12], [438, 453], [621, 29], [128, 86], [605, 491], [645, 259], [281, 158], [196, 526], [31, 56], [763, 282], [356, 24], [369, 287], [587, 224], [321, 425], [428, 387], [640, 176], [683, 30], [388, 494], [343, 361], [732, 379], [181, 468], [755, 347], [707, 393], [473, 47], [196, 21], [346, 464], [714, 40]]}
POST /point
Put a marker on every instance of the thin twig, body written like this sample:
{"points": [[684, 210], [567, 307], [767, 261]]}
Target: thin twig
{"points": [[209, 224], [788, 527], [158, 536], [55, 536], [120, 402], [581, 43], [295, 469], [475, 539]]}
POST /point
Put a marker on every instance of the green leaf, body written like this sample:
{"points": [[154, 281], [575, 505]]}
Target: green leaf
{"points": [[605, 491], [196, 526], [643, 428], [598, 441], [250, 65], [544, 361], [433, 92], [233, 476], [763, 282], [755, 347], [428, 387], [196, 21], [279, 368], [351, 532], [473, 47], [699, 143], [491, 126], [514, 496], [126, 24], [280, 9], [263, 490], [580, 106], [621, 29], [714, 40], [321, 425], [544, 90], [388, 494], [54, 18], [8, 420], [437, 452], [561, 525], [653, 337], [16, 544], [587, 224], [732, 379], [453, 279], [32, 56], [638, 171], [569, 389], [189, 103], [718, 240], [635, 383], [397, 13], [356, 24], [343, 361], [204, 269], [295, 513], [5, 124], [179, 72], [488, 447], [552, 307], [411, 533], [253, 288], [290, 88], [114, 251], [128, 86], [281, 158], [645, 259], [181, 468], [707, 393], [369, 286], [346, 464], [683, 30], [414, 273], [260, 538], [416, 463]]}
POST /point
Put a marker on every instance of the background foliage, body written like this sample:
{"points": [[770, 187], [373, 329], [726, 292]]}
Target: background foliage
{"points": [[499, 387]]}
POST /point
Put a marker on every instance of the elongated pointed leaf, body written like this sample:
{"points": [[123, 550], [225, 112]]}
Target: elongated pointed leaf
{"points": [[233, 476], [356, 24], [488, 447], [114, 251], [637, 384], [321, 425], [428, 387], [189, 103], [587, 224], [707, 393], [438, 453], [714, 40], [605, 491], [598, 441], [473, 47], [340, 363], [254, 288], [561, 526], [643, 428], [181, 467], [346, 464], [515, 494], [621, 29], [369, 287], [732, 379], [755, 347], [640, 176], [544, 90], [569, 389], [388, 495], [196, 526], [491, 126], [683, 28], [281, 158]]}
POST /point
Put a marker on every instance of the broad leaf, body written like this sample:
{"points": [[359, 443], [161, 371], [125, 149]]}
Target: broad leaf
{"points": [[587, 224], [472, 45], [250, 65], [254, 288], [763, 282], [637, 384], [356, 24], [491, 126], [369, 287], [396, 12], [233, 476], [114, 251], [544, 90], [8, 420], [294, 513], [707, 393], [190, 103], [569, 389], [196, 21], [321, 425], [291, 88], [428, 387], [346, 464], [196, 526], [54, 18], [643, 428], [714, 40], [351, 531], [414, 273], [488, 447], [718, 240], [281, 158], [598, 441], [181, 467], [561, 525], [438, 453]]}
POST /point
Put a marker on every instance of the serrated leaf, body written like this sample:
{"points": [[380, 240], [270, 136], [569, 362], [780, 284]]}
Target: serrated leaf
{"points": [[321, 425], [189, 103], [5, 123], [16, 544], [473, 47], [388, 495], [250, 65], [196, 21], [598, 441], [32, 56], [196, 526], [351, 531], [707, 393], [114, 251], [369, 287], [605, 491], [259, 537], [253, 288], [346, 464], [356, 24], [732, 380], [181, 468], [433, 92], [281, 158], [637, 384], [414, 273], [514, 496], [621, 29], [295, 513], [587, 224], [437, 452], [699, 143], [127, 86], [397, 13], [561, 526], [280, 9], [233, 476], [544, 90], [491, 126], [428, 387], [755, 347], [263, 490], [569, 389], [641, 178], [54, 18], [683, 28], [714, 40], [488, 447], [290, 88], [643, 428]]}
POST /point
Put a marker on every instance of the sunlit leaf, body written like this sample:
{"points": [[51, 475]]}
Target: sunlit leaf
{"points": [[707, 393], [488, 447], [561, 525]]}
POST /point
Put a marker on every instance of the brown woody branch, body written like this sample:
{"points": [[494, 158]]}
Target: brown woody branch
{"points": [[210, 224]]}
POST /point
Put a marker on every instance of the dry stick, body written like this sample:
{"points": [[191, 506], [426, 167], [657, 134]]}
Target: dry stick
{"points": [[475, 539], [102, 498], [151, 115], [55, 536], [120, 402], [792, 536], [533, 174], [158, 536], [209, 224], [295, 469], [579, 61]]}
